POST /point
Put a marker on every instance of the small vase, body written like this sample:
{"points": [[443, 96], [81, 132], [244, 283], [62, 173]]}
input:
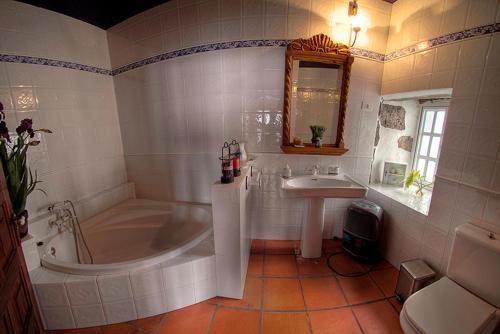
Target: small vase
{"points": [[419, 193], [21, 221], [316, 141]]}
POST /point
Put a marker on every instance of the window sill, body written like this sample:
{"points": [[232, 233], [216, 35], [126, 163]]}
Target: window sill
{"points": [[405, 197]]}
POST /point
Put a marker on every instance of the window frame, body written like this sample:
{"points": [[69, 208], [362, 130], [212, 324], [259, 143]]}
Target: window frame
{"points": [[420, 134]]}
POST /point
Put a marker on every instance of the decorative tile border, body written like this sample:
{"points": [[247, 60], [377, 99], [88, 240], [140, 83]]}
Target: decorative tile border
{"points": [[52, 62], [361, 53], [201, 49], [445, 39]]}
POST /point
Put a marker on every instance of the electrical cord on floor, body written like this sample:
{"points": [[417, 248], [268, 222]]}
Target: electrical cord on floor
{"points": [[359, 274]]}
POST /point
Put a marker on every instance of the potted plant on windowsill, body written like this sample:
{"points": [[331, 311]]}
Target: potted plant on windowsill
{"points": [[414, 178], [317, 134], [19, 178]]}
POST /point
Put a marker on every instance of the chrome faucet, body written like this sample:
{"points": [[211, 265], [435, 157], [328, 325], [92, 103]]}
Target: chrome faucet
{"points": [[63, 218], [66, 220]]}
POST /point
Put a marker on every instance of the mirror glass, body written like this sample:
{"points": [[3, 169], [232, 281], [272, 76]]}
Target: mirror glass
{"points": [[315, 100]]}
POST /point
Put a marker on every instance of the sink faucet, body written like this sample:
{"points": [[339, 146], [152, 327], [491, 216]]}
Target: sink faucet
{"points": [[315, 170]]}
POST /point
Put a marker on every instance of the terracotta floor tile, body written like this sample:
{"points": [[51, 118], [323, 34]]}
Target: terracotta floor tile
{"points": [[332, 245], [255, 265], [345, 264], [397, 305], [323, 292], [236, 321], [285, 322], [120, 329], [149, 324], [190, 320], [359, 289], [378, 317], [280, 266], [386, 280], [382, 264], [282, 246], [282, 294], [313, 267], [252, 295], [340, 321], [258, 246]]}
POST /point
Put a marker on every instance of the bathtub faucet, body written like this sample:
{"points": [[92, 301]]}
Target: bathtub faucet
{"points": [[63, 219], [66, 220]]}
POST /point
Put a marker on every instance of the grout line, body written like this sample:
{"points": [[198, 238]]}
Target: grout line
{"points": [[160, 324], [357, 321], [309, 324], [212, 320]]}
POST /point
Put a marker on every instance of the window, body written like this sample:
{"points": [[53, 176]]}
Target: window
{"points": [[429, 141]]}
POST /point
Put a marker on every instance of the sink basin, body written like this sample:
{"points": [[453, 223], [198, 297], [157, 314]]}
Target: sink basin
{"points": [[316, 188], [325, 186]]}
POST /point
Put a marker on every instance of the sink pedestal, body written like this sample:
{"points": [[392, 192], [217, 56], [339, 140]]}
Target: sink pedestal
{"points": [[312, 232], [316, 188]]}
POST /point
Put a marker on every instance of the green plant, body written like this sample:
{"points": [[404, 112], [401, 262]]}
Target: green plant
{"points": [[317, 131], [20, 180], [414, 178]]}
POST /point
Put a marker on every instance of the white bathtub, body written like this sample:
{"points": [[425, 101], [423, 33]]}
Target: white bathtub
{"points": [[132, 235], [151, 257]]}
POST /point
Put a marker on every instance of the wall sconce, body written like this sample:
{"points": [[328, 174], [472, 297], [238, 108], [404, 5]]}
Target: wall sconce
{"points": [[352, 11]]}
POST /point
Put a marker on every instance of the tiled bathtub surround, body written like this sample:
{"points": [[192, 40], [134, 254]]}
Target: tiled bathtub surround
{"points": [[76, 301]]}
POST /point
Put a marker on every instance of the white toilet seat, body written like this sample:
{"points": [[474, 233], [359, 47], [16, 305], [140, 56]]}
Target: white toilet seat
{"points": [[446, 307]]}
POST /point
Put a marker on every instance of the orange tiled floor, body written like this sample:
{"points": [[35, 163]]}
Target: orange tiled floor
{"points": [[285, 293]]}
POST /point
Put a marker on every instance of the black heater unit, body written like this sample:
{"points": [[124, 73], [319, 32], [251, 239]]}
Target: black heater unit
{"points": [[362, 229]]}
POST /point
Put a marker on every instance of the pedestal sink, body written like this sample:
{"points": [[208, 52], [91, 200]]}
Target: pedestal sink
{"points": [[316, 188]]}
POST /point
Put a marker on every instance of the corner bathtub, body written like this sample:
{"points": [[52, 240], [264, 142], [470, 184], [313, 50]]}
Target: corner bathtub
{"points": [[134, 234], [150, 257]]}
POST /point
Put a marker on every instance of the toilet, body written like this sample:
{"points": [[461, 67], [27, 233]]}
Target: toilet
{"points": [[467, 300]]}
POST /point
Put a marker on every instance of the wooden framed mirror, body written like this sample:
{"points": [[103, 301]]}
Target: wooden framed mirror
{"points": [[317, 74]]}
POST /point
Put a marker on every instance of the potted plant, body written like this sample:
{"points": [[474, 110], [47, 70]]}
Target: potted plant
{"points": [[414, 178], [19, 178], [317, 134]]}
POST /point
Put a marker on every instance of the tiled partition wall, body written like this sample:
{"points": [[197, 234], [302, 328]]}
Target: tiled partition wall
{"points": [[468, 176], [178, 112], [84, 155]]}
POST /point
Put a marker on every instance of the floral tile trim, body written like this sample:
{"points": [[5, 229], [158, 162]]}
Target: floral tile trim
{"points": [[361, 53], [52, 62], [445, 39], [200, 49]]}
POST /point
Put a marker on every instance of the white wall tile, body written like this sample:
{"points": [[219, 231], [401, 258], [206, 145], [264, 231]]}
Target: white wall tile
{"points": [[58, 318], [150, 305], [179, 297], [114, 287], [147, 282], [82, 290], [120, 311], [88, 315]]}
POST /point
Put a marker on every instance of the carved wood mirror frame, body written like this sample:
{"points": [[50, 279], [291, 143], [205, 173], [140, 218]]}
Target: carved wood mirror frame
{"points": [[319, 48]]}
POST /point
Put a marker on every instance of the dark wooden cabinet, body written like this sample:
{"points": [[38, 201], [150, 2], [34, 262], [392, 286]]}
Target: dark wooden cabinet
{"points": [[18, 311]]}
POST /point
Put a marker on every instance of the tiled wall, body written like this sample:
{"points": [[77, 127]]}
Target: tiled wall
{"points": [[180, 24], [177, 113], [84, 155], [470, 151]]}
